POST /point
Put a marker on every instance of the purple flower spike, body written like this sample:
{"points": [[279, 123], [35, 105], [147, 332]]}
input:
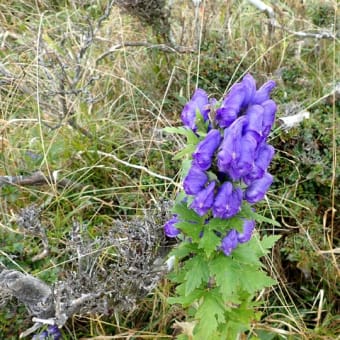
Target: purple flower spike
{"points": [[227, 202], [194, 181], [263, 93], [269, 107], [229, 242], [249, 89], [255, 121], [257, 189], [205, 150], [198, 102], [248, 228], [204, 200], [231, 106], [169, 227]]}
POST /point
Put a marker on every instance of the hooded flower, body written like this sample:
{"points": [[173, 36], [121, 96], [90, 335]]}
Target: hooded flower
{"points": [[229, 242], [230, 149], [258, 188], [204, 200], [245, 161], [248, 227], [254, 123], [264, 155], [249, 86], [199, 102], [169, 228], [227, 202], [205, 150], [263, 93], [195, 181], [269, 107], [231, 106]]}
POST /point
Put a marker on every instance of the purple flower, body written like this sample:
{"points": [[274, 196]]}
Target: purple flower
{"points": [[249, 86], [205, 150], [248, 227], [204, 200], [257, 189], [231, 145], [229, 242], [52, 333], [269, 107], [199, 102], [264, 155], [254, 124], [169, 227], [194, 181], [244, 163], [231, 106], [263, 93], [227, 202]]}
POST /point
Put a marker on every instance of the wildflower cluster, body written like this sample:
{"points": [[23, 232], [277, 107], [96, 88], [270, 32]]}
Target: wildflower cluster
{"points": [[229, 164]]}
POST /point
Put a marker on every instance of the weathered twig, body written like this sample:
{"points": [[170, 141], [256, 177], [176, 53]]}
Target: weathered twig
{"points": [[38, 178], [161, 47]]}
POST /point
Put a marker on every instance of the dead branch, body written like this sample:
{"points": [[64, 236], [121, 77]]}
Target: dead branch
{"points": [[38, 178]]}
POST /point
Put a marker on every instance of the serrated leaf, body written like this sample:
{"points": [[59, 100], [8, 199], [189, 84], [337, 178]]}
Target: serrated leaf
{"points": [[197, 272], [209, 242], [183, 250], [254, 279], [245, 253], [248, 213], [191, 230], [268, 242], [185, 299], [186, 214], [227, 276], [223, 225], [210, 313]]}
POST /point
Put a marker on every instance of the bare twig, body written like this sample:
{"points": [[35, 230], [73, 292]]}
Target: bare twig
{"points": [[161, 47], [38, 178]]}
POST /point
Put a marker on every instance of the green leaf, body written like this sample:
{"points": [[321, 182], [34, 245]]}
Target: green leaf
{"points": [[268, 242], [254, 279], [185, 299], [211, 314], [183, 250], [191, 230], [209, 241], [223, 226], [192, 138], [197, 272], [247, 253], [188, 150], [248, 213], [186, 214], [227, 276]]}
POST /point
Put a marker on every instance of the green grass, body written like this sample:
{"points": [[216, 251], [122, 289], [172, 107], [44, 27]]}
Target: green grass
{"points": [[121, 102]]}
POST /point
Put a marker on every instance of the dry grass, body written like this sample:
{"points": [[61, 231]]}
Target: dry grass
{"points": [[65, 111]]}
